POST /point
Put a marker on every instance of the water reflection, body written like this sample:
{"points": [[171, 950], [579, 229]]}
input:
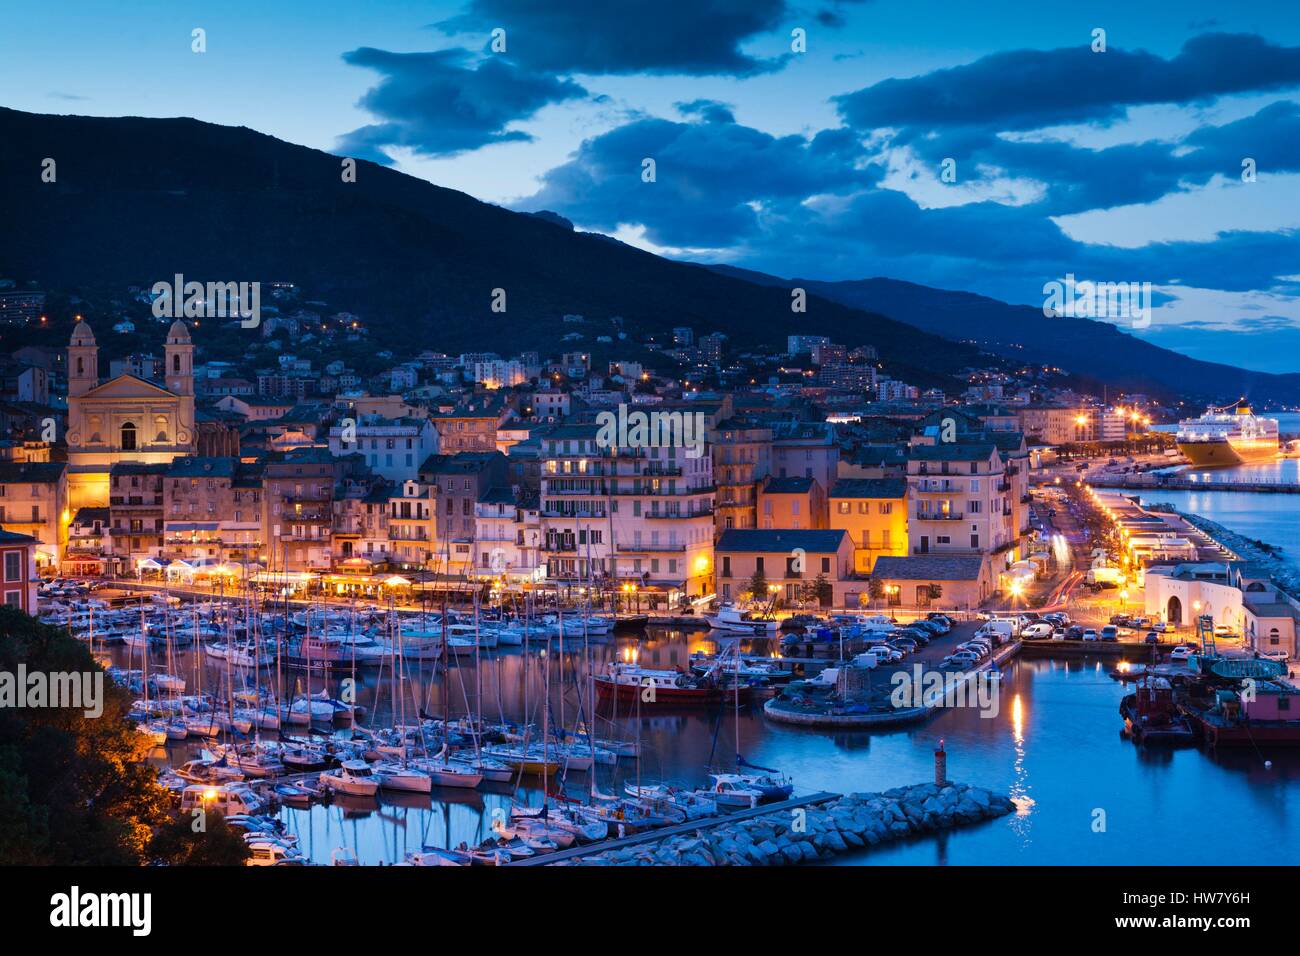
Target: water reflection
{"points": [[1055, 747]]}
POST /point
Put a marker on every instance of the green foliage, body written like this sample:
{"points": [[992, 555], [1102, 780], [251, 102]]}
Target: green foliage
{"points": [[219, 844], [73, 789], [757, 587]]}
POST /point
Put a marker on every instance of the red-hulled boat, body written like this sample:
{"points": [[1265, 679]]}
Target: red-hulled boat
{"points": [[628, 682]]}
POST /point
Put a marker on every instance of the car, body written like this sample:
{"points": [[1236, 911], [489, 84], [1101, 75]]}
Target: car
{"points": [[1152, 637], [915, 636], [1182, 652], [1089, 635], [1121, 619], [929, 627], [977, 646], [1163, 627], [960, 659], [1109, 633], [1140, 623], [942, 621], [904, 644], [1058, 634], [1038, 631], [1074, 632]]}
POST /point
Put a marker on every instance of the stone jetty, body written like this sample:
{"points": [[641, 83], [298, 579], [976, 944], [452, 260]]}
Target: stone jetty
{"points": [[842, 825]]}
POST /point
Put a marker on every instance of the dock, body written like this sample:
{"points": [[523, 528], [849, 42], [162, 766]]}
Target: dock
{"points": [[677, 829], [1191, 481]]}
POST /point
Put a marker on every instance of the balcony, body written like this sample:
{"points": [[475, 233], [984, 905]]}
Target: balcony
{"points": [[650, 548], [706, 513], [946, 516]]}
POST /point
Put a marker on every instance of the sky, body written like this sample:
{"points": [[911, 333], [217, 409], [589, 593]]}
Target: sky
{"points": [[994, 148]]}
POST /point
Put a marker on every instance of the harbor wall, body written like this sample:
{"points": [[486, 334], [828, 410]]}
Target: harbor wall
{"points": [[846, 824]]}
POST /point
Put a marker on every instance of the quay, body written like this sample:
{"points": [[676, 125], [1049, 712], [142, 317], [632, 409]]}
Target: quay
{"points": [[778, 834], [1189, 482], [663, 833]]}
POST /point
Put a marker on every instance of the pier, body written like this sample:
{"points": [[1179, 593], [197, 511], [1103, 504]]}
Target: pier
{"points": [[1190, 481], [663, 833], [779, 833]]}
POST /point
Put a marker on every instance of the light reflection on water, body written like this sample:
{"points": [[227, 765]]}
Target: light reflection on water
{"points": [[1054, 746]]}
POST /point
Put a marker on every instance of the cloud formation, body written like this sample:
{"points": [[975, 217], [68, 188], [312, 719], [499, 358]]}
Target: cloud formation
{"points": [[447, 102]]}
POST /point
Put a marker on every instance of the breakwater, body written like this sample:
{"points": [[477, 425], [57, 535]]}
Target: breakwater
{"points": [[805, 834]]}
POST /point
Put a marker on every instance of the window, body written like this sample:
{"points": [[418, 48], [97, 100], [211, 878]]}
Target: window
{"points": [[826, 565], [845, 507], [128, 437], [14, 598], [886, 507], [726, 565], [13, 566]]}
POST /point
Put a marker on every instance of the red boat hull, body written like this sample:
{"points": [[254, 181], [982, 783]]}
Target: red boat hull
{"points": [[608, 690]]}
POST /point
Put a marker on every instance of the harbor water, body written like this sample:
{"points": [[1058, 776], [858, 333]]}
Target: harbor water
{"points": [[1086, 794]]}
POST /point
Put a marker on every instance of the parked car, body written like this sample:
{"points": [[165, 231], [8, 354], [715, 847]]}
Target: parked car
{"points": [[1182, 652], [943, 621], [1074, 632], [1089, 635], [1163, 627], [1152, 637], [1109, 633], [960, 659], [1058, 634], [913, 635], [1038, 631], [929, 627], [904, 644]]}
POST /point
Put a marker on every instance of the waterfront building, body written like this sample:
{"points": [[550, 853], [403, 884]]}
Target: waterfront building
{"points": [[125, 419], [460, 479], [788, 561], [933, 580], [209, 514], [1234, 595], [507, 538], [135, 504], [874, 513], [18, 578], [298, 512], [640, 515], [413, 524], [34, 502], [90, 544]]}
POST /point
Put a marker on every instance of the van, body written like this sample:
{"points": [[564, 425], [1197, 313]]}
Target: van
{"points": [[999, 630], [225, 799]]}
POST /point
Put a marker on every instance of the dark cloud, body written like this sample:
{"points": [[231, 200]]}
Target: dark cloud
{"points": [[710, 111], [716, 180], [447, 102], [1027, 89], [694, 37]]}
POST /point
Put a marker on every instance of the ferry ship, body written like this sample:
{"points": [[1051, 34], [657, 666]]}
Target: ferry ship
{"points": [[1224, 437]]}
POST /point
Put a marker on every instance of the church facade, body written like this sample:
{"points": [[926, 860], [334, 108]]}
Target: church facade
{"points": [[125, 419]]}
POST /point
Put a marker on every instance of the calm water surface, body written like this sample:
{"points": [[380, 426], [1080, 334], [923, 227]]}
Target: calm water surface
{"points": [[1054, 746]]}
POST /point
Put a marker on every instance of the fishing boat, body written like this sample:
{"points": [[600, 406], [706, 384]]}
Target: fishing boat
{"points": [[731, 618], [437, 856], [629, 682], [1151, 715], [694, 805], [745, 790]]}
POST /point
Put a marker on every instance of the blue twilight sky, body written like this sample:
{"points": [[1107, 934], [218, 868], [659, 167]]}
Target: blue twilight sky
{"points": [[1122, 165]]}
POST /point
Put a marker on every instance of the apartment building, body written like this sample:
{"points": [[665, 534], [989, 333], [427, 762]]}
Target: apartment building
{"points": [[807, 450], [960, 494], [392, 447], [742, 457], [18, 578], [298, 510], [471, 425], [873, 512], [791, 502], [507, 537], [643, 515], [34, 502], [209, 513], [135, 506], [413, 525]]}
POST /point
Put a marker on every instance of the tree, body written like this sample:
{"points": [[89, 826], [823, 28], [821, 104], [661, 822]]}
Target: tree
{"points": [[936, 591], [757, 587], [819, 591], [74, 789], [875, 588], [177, 842]]}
